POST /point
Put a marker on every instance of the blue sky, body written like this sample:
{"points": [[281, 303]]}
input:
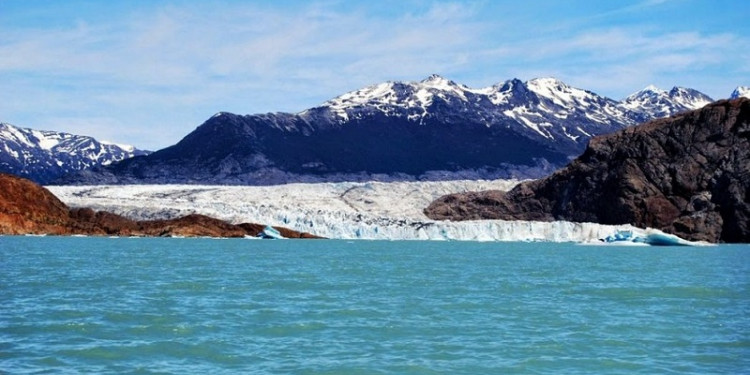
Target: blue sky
{"points": [[149, 72]]}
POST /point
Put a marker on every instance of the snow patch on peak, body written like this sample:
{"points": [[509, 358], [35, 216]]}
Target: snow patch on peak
{"points": [[559, 92], [545, 81], [440, 83], [47, 140], [124, 147], [654, 102], [689, 98], [652, 88], [377, 95], [367, 94], [650, 93], [546, 86], [411, 98], [437, 78], [741, 92]]}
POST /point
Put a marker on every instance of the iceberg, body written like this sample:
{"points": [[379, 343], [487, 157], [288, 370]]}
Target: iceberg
{"points": [[270, 233], [648, 236], [620, 236]]}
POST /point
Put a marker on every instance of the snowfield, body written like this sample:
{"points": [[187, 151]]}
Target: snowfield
{"points": [[349, 210]]}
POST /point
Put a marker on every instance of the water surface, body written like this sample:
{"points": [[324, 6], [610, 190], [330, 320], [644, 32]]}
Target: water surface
{"points": [[104, 305]]}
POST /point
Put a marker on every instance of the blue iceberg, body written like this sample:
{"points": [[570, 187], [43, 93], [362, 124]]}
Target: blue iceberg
{"points": [[270, 233], [648, 236]]}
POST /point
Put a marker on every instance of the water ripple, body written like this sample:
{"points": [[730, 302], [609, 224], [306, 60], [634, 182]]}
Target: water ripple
{"points": [[146, 306]]}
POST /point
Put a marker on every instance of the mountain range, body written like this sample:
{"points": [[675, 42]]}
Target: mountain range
{"points": [[432, 129], [44, 156]]}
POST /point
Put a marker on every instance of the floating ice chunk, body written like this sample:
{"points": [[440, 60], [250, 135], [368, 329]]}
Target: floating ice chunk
{"points": [[647, 236], [270, 233]]}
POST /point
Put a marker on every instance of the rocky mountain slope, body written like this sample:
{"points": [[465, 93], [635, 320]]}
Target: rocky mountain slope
{"points": [[43, 156], [27, 208], [433, 129], [688, 175]]}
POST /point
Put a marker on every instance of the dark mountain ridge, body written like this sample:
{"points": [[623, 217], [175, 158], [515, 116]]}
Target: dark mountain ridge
{"points": [[244, 149]]}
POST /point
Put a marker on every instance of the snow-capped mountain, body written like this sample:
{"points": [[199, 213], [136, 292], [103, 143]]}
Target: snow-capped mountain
{"points": [[43, 156], [740, 92], [655, 103], [430, 129], [545, 107], [545, 110]]}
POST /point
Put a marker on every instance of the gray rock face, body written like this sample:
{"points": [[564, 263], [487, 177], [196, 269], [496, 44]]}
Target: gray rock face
{"points": [[688, 175]]}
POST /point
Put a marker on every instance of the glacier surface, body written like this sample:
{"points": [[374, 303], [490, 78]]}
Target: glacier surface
{"points": [[347, 210]]}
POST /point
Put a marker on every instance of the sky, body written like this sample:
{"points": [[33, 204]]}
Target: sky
{"points": [[147, 73]]}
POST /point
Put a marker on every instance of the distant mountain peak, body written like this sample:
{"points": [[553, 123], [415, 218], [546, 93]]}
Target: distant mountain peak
{"points": [[568, 98], [741, 92], [654, 102], [43, 155], [652, 89], [127, 148], [435, 78], [441, 84], [546, 81]]}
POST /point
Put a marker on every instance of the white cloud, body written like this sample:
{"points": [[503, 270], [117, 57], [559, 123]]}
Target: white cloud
{"points": [[248, 58], [186, 46]]}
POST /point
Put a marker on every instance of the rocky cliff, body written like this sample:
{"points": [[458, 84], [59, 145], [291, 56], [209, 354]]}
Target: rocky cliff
{"points": [[688, 175], [27, 208]]}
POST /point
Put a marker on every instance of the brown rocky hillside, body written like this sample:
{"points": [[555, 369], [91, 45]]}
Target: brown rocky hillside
{"points": [[27, 208]]}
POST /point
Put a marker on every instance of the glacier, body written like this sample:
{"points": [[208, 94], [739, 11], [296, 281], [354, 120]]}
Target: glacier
{"points": [[345, 210]]}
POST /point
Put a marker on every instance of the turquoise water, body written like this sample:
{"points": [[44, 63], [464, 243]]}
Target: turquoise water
{"points": [[202, 306]]}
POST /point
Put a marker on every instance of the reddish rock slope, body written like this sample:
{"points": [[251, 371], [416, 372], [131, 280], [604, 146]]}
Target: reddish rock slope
{"points": [[27, 208]]}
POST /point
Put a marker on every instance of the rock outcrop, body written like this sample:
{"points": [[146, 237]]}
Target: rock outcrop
{"points": [[27, 208], [688, 175]]}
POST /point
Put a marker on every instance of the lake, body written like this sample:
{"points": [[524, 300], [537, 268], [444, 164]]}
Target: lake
{"points": [[221, 306]]}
